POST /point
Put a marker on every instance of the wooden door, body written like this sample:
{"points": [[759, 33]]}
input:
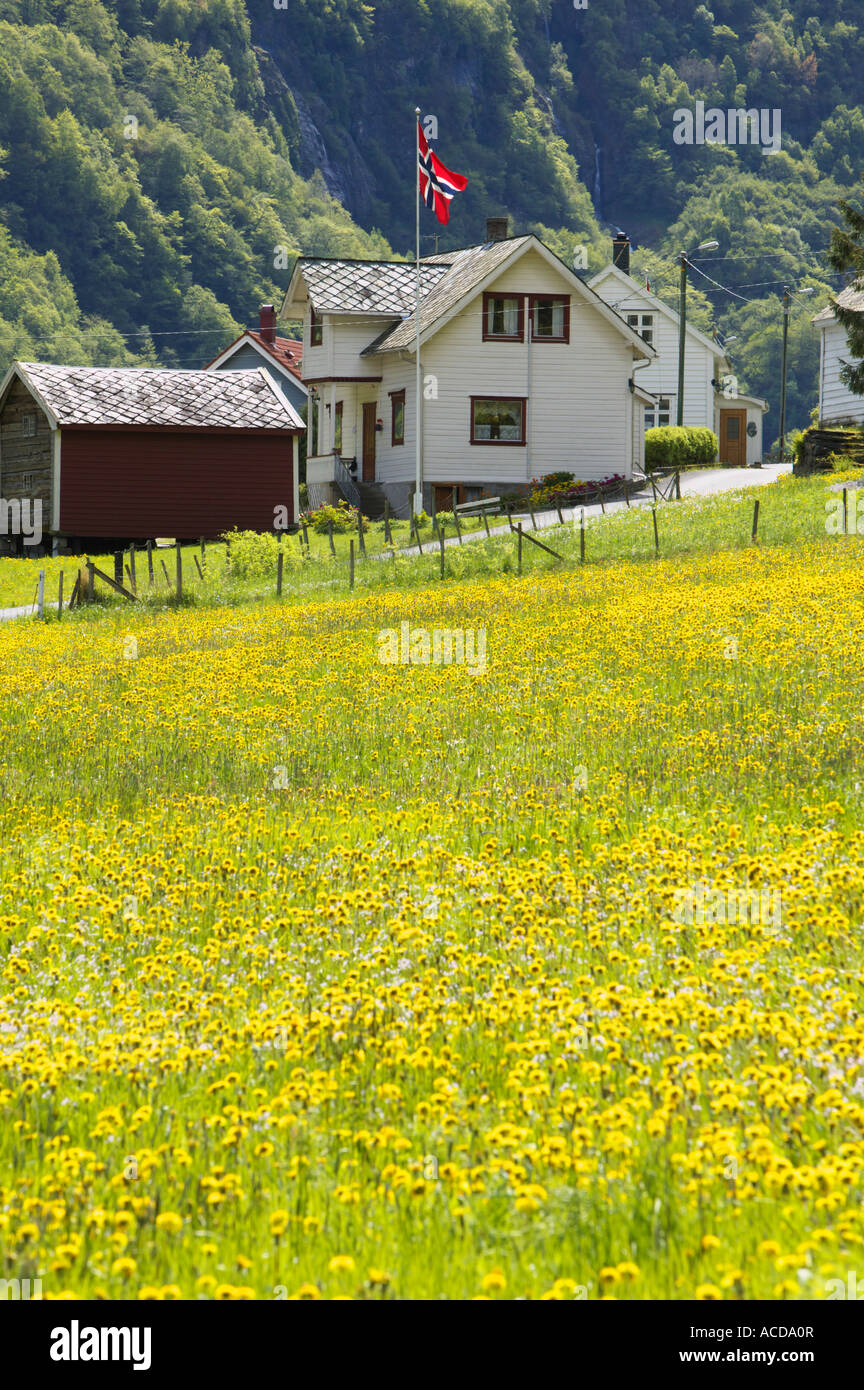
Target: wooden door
{"points": [[733, 438], [370, 415]]}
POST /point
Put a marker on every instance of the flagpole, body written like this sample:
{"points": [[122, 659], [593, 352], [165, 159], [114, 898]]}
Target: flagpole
{"points": [[418, 411]]}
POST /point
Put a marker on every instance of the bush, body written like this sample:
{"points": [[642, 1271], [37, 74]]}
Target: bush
{"points": [[252, 554], [679, 446], [343, 517]]}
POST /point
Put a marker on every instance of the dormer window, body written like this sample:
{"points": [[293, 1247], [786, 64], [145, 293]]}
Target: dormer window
{"points": [[316, 329], [503, 318], [28, 423], [550, 318]]}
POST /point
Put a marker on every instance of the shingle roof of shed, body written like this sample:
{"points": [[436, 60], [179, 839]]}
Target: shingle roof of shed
{"points": [[159, 396]]}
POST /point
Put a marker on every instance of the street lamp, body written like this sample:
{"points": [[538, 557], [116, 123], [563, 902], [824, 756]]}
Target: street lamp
{"points": [[787, 295], [682, 319]]}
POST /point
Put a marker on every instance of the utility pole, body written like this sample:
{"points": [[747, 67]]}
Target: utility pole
{"points": [[786, 299], [682, 330]]}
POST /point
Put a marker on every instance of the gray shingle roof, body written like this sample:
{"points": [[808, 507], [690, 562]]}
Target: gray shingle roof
{"points": [[464, 270], [158, 396], [850, 298], [374, 287]]}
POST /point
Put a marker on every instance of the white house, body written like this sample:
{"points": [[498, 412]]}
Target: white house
{"points": [[837, 405], [525, 371], [711, 397], [280, 357]]}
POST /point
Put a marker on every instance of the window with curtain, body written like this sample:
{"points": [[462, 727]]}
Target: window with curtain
{"points": [[497, 420], [550, 318], [397, 417], [503, 318]]}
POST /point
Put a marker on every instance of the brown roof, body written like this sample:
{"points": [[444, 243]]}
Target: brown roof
{"points": [[159, 396], [288, 352], [850, 298]]}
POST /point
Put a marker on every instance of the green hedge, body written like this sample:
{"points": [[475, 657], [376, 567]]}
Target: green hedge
{"points": [[676, 446]]}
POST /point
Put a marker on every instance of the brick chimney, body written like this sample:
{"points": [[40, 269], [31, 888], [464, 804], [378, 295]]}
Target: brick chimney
{"points": [[621, 252], [267, 323], [497, 228]]}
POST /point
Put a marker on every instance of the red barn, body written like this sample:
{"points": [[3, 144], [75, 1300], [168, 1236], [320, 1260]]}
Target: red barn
{"points": [[129, 453]]}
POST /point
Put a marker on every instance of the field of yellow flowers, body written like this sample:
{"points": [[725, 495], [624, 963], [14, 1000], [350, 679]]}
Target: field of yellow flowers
{"points": [[328, 978]]}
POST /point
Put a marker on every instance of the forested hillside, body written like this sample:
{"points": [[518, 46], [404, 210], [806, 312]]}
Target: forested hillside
{"points": [[163, 160]]}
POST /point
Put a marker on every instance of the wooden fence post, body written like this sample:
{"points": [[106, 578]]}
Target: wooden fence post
{"points": [[150, 563], [519, 546], [330, 537], [656, 536], [132, 573], [203, 545], [458, 527], [40, 600], [91, 582], [118, 566], [755, 519], [198, 567], [179, 584], [165, 572], [845, 516], [306, 538], [582, 537], [279, 563], [678, 484], [486, 523], [351, 563], [441, 542], [60, 598], [533, 518], [361, 538]]}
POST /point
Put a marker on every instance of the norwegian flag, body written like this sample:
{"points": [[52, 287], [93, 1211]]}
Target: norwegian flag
{"points": [[437, 183]]}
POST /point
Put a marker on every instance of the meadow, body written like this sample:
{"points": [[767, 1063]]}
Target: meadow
{"points": [[327, 978]]}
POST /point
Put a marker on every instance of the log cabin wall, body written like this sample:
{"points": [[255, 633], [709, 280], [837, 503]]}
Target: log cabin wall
{"points": [[26, 457]]}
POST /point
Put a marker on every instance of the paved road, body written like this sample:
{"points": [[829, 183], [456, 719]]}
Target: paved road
{"points": [[700, 482], [16, 612]]}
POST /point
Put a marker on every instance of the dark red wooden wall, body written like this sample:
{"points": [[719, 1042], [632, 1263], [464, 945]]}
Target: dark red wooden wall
{"points": [[141, 483]]}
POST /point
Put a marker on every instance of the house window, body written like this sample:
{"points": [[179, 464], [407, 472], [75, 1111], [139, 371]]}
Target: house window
{"points": [[316, 329], [503, 318], [397, 417], [659, 414], [550, 318], [337, 427], [497, 420], [27, 482], [644, 326], [28, 423]]}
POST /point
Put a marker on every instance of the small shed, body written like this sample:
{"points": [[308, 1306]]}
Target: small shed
{"points": [[129, 453]]}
